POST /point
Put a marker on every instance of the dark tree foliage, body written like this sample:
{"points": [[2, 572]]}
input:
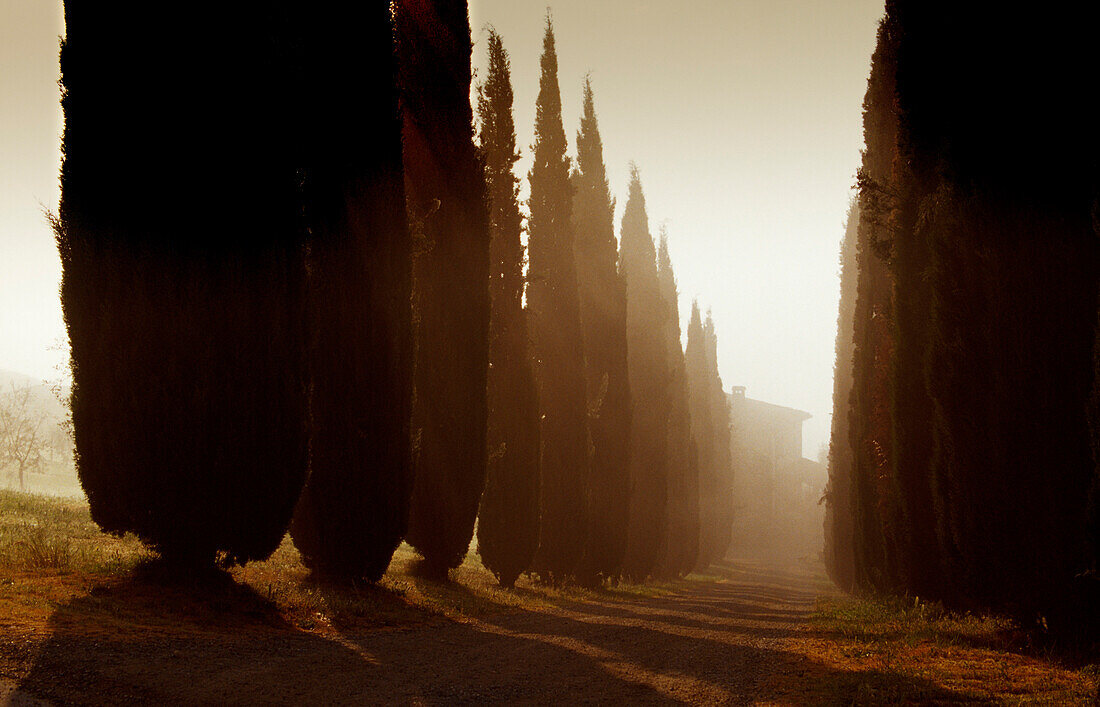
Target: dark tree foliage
{"points": [[681, 545], [869, 414], [701, 414], [603, 316], [917, 562], [354, 510], [445, 191], [979, 189], [508, 524], [839, 539], [1004, 149], [647, 357], [555, 322], [715, 540], [181, 248]]}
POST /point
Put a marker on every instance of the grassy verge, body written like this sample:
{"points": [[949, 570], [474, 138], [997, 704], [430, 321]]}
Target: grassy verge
{"points": [[51, 553], [897, 651]]}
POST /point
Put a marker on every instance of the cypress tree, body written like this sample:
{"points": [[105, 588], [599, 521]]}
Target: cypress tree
{"points": [[182, 286], [354, 510], [839, 539], [1008, 218], [446, 197], [647, 357], [681, 546], [870, 422], [555, 322], [918, 565], [701, 414], [603, 316], [508, 524], [718, 543]]}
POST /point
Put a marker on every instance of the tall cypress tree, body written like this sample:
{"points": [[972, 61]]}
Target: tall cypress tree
{"points": [[702, 414], [508, 523], [918, 565], [718, 542], [182, 276], [354, 510], [555, 323], [870, 422], [445, 189], [1008, 216], [603, 315], [647, 356], [681, 546], [839, 538]]}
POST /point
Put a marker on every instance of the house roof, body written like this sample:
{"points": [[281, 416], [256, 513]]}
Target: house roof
{"points": [[737, 400]]}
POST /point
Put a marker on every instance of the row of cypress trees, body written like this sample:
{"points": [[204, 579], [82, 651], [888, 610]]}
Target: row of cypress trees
{"points": [[620, 493], [962, 462], [233, 273], [239, 298], [315, 318]]}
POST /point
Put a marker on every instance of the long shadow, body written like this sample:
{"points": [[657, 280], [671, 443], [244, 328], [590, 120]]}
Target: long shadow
{"points": [[734, 623], [152, 639], [542, 656]]}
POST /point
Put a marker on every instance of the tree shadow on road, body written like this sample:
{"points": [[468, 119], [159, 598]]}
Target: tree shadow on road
{"points": [[147, 639]]}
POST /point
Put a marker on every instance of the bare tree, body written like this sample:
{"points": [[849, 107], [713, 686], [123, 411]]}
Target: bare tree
{"points": [[23, 433]]}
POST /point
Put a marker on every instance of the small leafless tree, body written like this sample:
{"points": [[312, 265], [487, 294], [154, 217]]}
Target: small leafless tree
{"points": [[23, 433]]}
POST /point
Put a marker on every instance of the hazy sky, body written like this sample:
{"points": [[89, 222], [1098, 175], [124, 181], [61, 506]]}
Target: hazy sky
{"points": [[742, 115]]}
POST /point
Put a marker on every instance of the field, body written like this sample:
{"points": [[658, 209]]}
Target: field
{"points": [[88, 618]]}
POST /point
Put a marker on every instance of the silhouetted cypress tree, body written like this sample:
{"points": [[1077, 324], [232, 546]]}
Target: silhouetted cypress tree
{"points": [[554, 307], [445, 190], [508, 523], [181, 247], [354, 510], [603, 315], [870, 423], [647, 356], [839, 539], [1007, 174], [702, 428], [917, 565], [681, 545], [717, 544]]}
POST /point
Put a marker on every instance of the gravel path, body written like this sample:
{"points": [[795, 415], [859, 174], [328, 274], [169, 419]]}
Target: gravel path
{"points": [[721, 642]]}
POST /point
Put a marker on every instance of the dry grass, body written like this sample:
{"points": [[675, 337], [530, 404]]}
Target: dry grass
{"points": [[48, 534], [59, 575], [51, 552], [894, 651]]}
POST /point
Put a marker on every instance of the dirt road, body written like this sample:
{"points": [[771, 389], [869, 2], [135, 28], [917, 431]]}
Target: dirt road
{"points": [[727, 641]]}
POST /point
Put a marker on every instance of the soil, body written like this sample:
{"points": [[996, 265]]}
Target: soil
{"points": [[741, 637], [713, 642]]}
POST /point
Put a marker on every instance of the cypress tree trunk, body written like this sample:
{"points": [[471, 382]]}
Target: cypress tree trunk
{"points": [[681, 547], [508, 523], [354, 510], [556, 333], [647, 357], [603, 315], [182, 282], [445, 189]]}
